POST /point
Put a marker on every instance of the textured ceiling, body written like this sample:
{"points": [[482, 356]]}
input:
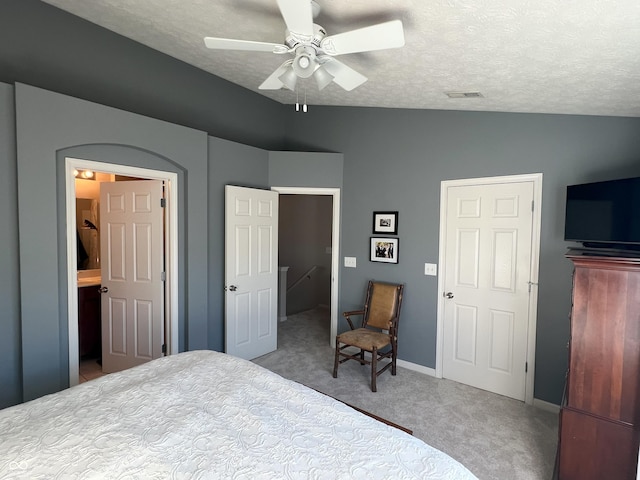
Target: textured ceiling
{"points": [[547, 56]]}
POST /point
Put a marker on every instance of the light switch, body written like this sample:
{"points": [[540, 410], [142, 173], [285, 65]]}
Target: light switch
{"points": [[431, 269], [350, 262]]}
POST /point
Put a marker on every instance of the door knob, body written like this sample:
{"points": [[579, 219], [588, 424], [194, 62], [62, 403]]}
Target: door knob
{"points": [[231, 288], [104, 290], [448, 295]]}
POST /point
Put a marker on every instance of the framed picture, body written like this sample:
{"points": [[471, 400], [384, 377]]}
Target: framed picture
{"points": [[385, 223], [384, 250]]}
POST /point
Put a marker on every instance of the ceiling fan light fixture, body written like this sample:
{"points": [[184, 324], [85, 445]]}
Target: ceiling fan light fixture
{"points": [[289, 79], [323, 78], [305, 62]]}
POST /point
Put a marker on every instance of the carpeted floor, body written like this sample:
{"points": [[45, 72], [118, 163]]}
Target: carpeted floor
{"points": [[494, 436]]}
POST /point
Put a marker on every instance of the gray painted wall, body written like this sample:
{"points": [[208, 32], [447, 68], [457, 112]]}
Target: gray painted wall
{"points": [[10, 351], [229, 164], [47, 123], [396, 159], [393, 160], [305, 169], [49, 48], [52, 126]]}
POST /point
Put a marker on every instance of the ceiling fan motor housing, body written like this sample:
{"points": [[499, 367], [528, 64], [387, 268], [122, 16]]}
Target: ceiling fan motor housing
{"points": [[294, 40]]}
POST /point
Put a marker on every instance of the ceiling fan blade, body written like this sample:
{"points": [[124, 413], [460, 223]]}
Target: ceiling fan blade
{"points": [[376, 37], [274, 82], [248, 45], [343, 75], [298, 16]]}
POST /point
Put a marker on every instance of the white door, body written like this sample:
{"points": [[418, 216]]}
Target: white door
{"points": [[131, 252], [251, 271], [487, 275]]}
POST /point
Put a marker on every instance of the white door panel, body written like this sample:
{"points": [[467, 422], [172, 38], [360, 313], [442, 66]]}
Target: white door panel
{"points": [[487, 272], [251, 271], [131, 221]]}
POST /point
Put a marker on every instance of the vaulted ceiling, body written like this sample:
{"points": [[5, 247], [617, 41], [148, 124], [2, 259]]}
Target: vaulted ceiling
{"points": [[546, 56]]}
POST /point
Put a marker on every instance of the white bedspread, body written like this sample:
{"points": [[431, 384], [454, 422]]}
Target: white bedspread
{"points": [[206, 415]]}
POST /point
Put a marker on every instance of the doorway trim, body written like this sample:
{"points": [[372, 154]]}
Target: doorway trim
{"points": [[536, 178], [335, 245], [171, 251]]}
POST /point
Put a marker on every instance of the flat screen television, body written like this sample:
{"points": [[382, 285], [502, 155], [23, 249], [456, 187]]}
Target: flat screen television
{"points": [[604, 214]]}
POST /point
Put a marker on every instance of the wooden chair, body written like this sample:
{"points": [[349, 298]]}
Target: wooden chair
{"points": [[379, 330]]}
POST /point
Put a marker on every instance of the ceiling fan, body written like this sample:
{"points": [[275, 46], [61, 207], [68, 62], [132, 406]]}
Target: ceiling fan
{"points": [[313, 51]]}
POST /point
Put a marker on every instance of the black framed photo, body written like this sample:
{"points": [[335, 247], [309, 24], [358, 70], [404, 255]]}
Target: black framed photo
{"points": [[384, 250], [385, 223]]}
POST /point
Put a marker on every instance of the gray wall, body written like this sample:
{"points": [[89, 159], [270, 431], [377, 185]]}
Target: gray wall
{"points": [[50, 127], [46, 124], [306, 169], [393, 160], [10, 351], [49, 48], [88, 62], [229, 164], [396, 159]]}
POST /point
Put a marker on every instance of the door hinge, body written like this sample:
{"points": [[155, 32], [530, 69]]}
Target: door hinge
{"points": [[163, 202], [526, 367], [164, 348], [163, 276]]}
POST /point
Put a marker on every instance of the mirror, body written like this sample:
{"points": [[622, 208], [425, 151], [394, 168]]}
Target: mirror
{"points": [[88, 234]]}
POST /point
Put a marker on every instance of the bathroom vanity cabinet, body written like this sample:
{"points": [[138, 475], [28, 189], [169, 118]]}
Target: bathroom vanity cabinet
{"points": [[89, 326]]}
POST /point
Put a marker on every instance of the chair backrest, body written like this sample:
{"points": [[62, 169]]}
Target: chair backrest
{"points": [[382, 307]]}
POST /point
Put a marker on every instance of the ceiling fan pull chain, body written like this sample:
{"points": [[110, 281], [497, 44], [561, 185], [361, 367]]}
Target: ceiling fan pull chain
{"points": [[297, 102], [304, 107]]}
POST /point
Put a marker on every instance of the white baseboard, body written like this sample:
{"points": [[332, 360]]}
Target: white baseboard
{"points": [[416, 368], [404, 364], [547, 406], [541, 404]]}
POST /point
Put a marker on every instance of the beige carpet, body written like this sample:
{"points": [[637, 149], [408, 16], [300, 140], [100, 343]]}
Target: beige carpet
{"points": [[494, 436]]}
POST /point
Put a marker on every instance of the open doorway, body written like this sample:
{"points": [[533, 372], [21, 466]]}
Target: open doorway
{"points": [[77, 278], [304, 250], [308, 270]]}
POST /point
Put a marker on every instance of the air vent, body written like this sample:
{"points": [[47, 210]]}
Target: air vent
{"points": [[463, 94]]}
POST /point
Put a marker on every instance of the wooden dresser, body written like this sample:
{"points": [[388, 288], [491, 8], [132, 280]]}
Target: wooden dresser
{"points": [[600, 418]]}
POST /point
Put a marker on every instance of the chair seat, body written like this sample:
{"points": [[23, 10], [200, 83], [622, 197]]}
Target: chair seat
{"points": [[365, 339]]}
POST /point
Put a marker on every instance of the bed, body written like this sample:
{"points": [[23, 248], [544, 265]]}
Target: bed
{"points": [[206, 414]]}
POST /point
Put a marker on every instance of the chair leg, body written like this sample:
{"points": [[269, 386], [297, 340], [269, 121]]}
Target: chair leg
{"points": [[337, 360], [393, 361], [374, 366]]}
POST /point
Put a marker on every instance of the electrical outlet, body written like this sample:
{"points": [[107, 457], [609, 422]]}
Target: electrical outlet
{"points": [[431, 269], [350, 262]]}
